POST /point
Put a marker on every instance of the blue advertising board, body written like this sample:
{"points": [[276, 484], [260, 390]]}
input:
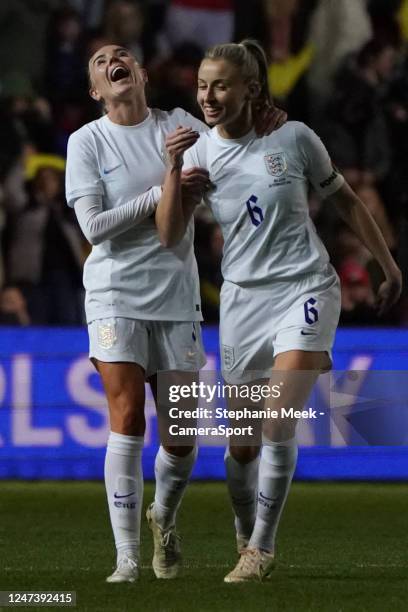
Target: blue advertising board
{"points": [[54, 425]]}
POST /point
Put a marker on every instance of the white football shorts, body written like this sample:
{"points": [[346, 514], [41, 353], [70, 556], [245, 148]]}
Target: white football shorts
{"points": [[258, 323], [154, 345]]}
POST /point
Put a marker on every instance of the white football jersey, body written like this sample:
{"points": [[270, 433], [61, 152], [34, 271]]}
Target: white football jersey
{"points": [[260, 200], [132, 275]]}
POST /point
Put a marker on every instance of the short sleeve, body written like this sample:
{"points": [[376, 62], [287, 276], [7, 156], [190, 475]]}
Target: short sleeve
{"points": [[82, 170], [318, 166]]}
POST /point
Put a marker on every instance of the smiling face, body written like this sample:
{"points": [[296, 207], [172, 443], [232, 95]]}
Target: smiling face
{"points": [[224, 95], [115, 75]]}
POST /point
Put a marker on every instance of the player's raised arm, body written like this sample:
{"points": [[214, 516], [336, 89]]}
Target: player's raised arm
{"points": [[181, 191], [355, 213], [195, 182]]}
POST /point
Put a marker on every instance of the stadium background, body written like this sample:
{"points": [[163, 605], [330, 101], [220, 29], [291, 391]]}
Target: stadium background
{"points": [[340, 66]]}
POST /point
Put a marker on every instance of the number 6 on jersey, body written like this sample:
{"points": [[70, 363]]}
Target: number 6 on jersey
{"points": [[255, 212]]}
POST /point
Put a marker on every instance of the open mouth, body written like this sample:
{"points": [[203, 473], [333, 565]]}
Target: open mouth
{"points": [[119, 73]]}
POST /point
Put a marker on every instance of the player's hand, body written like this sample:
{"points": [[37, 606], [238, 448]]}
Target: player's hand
{"points": [[389, 292], [268, 118], [195, 182], [177, 143]]}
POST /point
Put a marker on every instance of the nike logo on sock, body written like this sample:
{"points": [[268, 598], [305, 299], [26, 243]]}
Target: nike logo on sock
{"points": [[117, 496], [307, 333], [271, 499]]}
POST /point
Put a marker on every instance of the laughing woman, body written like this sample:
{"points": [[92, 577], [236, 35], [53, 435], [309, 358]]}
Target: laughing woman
{"points": [[142, 301]]}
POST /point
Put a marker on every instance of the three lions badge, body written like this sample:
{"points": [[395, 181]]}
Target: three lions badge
{"points": [[276, 164]]}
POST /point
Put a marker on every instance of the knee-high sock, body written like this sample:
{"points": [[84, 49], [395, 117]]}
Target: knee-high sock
{"points": [[276, 469], [124, 489], [242, 480], [172, 475]]}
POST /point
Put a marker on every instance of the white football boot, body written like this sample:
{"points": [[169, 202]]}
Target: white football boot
{"points": [[167, 555], [127, 570], [253, 565]]}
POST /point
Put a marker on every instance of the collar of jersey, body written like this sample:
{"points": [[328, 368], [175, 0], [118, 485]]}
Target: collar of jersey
{"points": [[118, 126], [234, 141]]}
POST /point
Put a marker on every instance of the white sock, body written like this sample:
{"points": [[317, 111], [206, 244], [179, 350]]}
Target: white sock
{"points": [[172, 475], [124, 488], [276, 469], [242, 480]]}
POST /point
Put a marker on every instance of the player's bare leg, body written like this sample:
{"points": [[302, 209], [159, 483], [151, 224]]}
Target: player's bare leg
{"points": [[298, 371], [125, 391]]}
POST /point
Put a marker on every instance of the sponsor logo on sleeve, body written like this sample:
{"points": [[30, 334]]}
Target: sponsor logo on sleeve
{"points": [[329, 180]]}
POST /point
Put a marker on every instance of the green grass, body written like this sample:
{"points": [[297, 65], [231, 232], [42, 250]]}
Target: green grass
{"points": [[341, 547]]}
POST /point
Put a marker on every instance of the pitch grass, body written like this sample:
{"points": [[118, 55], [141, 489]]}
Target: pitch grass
{"points": [[342, 547]]}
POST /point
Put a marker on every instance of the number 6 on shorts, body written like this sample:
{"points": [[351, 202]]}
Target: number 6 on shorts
{"points": [[311, 314]]}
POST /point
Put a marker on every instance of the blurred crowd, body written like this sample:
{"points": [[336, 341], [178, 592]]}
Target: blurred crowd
{"points": [[341, 66]]}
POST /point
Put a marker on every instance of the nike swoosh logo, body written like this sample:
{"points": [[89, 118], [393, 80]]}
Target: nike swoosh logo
{"points": [[110, 170], [117, 496], [307, 333], [271, 499], [191, 354]]}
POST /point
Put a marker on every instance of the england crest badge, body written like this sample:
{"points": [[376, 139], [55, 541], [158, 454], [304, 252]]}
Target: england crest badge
{"points": [[276, 163], [228, 356], [106, 335]]}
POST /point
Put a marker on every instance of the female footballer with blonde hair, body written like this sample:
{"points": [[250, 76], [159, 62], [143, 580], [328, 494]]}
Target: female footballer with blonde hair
{"points": [[280, 301]]}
